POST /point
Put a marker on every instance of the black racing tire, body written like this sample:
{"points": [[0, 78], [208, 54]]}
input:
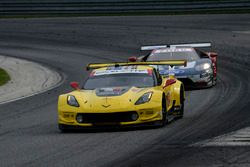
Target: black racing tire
{"points": [[164, 120], [214, 81], [63, 128], [181, 111]]}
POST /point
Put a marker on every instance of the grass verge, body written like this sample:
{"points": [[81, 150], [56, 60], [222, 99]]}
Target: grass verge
{"points": [[4, 77]]}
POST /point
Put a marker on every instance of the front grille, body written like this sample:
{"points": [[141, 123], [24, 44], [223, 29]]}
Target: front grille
{"points": [[107, 117], [189, 84]]}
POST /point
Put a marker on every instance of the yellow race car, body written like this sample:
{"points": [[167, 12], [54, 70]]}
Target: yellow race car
{"points": [[122, 94]]}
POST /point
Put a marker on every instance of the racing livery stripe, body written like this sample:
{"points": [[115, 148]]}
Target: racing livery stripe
{"points": [[107, 72]]}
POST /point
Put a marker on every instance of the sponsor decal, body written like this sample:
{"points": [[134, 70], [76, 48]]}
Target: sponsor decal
{"points": [[116, 91], [119, 71], [169, 50], [114, 68], [165, 72], [168, 99], [122, 68]]}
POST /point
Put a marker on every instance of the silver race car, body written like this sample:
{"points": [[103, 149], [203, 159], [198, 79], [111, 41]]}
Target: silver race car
{"points": [[200, 70]]}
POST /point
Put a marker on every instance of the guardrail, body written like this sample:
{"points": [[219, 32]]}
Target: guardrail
{"points": [[57, 7]]}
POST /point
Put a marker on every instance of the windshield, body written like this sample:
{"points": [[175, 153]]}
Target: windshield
{"points": [[173, 55], [119, 80]]}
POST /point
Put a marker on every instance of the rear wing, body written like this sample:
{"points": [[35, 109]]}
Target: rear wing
{"points": [[193, 45], [118, 64]]}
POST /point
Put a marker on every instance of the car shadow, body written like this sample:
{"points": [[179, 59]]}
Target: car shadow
{"points": [[110, 129]]}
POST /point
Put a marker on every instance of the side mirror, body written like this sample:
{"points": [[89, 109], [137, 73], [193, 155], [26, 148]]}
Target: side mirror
{"points": [[169, 82], [213, 54], [132, 59], [75, 85]]}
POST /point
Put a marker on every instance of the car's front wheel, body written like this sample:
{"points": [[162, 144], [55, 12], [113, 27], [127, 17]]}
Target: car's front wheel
{"points": [[63, 128], [164, 120], [214, 81], [182, 99]]}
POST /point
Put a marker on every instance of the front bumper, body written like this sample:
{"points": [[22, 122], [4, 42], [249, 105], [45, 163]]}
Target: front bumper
{"points": [[80, 120], [202, 80]]}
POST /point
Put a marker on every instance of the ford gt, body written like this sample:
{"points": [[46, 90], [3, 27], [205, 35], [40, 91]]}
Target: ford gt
{"points": [[201, 69]]}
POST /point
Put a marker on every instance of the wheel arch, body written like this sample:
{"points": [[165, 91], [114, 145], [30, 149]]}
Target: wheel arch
{"points": [[178, 89]]}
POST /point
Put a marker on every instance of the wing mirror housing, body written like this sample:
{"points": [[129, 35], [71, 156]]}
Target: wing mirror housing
{"points": [[132, 59], [213, 54], [75, 85], [169, 82]]}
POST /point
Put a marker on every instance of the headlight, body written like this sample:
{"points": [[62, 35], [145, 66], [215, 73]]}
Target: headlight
{"points": [[144, 98], [202, 67], [71, 100]]}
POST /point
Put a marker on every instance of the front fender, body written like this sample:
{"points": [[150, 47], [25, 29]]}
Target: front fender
{"points": [[178, 88]]}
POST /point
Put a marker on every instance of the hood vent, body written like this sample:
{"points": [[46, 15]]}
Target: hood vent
{"points": [[113, 91]]}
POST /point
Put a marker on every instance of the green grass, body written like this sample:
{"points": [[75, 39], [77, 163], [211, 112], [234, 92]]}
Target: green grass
{"points": [[4, 77]]}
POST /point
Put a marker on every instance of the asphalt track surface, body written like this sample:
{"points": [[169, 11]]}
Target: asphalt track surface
{"points": [[28, 127]]}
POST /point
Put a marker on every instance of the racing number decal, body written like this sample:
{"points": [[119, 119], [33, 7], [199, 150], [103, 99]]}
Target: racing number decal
{"points": [[130, 67]]}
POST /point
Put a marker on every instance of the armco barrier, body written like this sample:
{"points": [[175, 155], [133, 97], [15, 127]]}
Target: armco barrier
{"points": [[55, 7]]}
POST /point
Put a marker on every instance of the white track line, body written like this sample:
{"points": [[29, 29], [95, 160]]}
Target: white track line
{"points": [[237, 138], [242, 32]]}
